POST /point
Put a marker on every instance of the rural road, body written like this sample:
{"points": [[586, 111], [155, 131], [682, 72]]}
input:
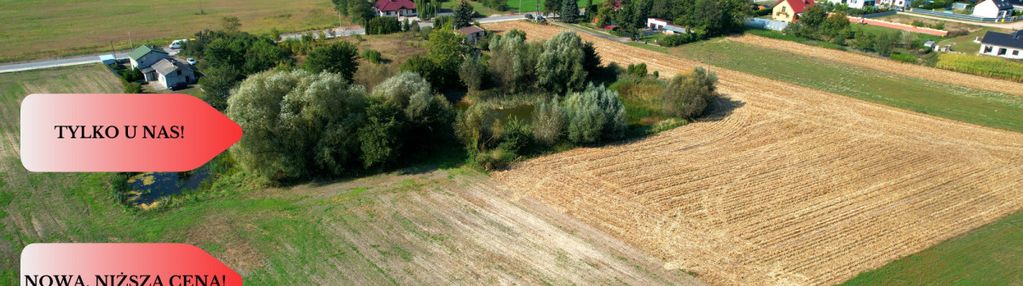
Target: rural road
{"points": [[52, 63], [88, 59]]}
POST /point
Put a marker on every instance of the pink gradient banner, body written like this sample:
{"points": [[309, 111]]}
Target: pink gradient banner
{"points": [[121, 132], [133, 264]]}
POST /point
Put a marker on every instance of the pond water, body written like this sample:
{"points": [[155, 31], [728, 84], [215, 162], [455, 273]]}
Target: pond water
{"points": [[151, 186]]}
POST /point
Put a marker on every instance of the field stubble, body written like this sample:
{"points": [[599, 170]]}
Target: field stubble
{"points": [[783, 184]]}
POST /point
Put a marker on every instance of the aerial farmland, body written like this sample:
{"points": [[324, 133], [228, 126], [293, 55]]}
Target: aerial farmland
{"points": [[420, 142]]}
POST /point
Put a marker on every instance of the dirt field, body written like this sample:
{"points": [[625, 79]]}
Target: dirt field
{"points": [[928, 73], [784, 184]]}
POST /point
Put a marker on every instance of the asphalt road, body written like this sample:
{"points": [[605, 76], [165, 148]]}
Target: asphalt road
{"points": [[88, 59]]}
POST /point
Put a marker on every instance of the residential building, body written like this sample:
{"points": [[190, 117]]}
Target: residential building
{"points": [[856, 4], [665, 26], [173, 74], [993, 9], [895, 4], [472, 33], [789, 10], [142, 58], [395, 8], [1002, 45]]}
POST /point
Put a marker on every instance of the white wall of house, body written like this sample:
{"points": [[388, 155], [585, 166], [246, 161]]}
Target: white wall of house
{"points": [[858, 4], [401, 12], [1000, 51], [988, 9], [895, 4], [178, 77]]}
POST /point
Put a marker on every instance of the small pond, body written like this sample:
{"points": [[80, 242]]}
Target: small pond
{"points": [[151, 186]]}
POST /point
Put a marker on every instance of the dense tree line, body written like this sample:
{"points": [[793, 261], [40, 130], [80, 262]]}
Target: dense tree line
{"points": [[227, 56], [704, 17]]}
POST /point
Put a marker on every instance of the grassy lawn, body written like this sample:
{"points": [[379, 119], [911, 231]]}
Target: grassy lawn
{"points": [[938, 99], [34, 29], [990, 255], [536, 5]]}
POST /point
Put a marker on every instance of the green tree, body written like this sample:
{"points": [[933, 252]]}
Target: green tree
{"points": [[463, 14], [341, 6], [360, 11], [594, 115], [511, 62], [569, 11], [559, 68], [686, 96], [339, 57], [316, 113], [548, 122], [552, 6], [429, 116], [380, 137], [472, 72], [216, 85], [445, 50]]}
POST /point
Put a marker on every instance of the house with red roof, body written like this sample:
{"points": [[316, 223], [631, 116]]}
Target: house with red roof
{"points": [[395, 8], [789, 10]]}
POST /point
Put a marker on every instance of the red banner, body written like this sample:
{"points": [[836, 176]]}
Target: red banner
{"points": [[121, 132], [126, 264]]}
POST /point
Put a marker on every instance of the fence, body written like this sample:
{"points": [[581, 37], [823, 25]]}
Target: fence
{"points": [[898, 26], [765, 24], [955, 16]]}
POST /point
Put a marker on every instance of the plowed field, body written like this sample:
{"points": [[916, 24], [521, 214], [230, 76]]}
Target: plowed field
{"points": [[782, 184]]}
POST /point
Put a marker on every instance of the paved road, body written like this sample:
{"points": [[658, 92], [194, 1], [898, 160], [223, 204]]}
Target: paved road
{"points": [[1011, 26], [52, 63]]}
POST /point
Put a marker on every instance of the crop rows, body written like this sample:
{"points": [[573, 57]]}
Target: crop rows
{"points": [[783, 184]]}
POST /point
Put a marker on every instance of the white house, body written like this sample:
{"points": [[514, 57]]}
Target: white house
{"points": [[993, 9], [895, 4], [658, 24], [173, 74], [997, 44], [857, 4], [395, 8], [142, 58]]}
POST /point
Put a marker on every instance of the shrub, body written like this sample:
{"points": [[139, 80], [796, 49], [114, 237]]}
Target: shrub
{"points": [[472, 72], [383, 25], [429, 116], [372, 56], [686, 96], [131, 87], [636, 70], [548, 122], [676, 40], [512, 61], [316, 113], [594, 115], [379, 136], [559, 68], [906, 58], [339, 57]]}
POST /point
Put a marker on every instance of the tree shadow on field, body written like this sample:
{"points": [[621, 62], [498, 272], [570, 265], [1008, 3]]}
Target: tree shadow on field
{"points": [[722, 106]]}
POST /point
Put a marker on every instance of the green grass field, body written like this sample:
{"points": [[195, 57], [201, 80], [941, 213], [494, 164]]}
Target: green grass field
{"points": [[938, 99], [537, 5], [990, 255], [37, 29]]}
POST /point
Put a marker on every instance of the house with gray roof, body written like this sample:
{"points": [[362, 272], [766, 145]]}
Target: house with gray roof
{"points": [[172, 74], [143, 58], [1004, 45]]}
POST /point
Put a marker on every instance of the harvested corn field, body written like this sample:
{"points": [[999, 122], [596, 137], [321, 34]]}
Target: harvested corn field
{"points": [[782, 184], [886, 65]]}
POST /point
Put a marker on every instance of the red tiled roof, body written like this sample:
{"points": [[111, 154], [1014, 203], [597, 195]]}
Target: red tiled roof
{"points": [[394, 5], [798, 5]]}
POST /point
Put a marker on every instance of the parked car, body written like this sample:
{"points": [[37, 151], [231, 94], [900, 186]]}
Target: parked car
{"points": [[191, 61], [529, 16], [178, 44]]}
